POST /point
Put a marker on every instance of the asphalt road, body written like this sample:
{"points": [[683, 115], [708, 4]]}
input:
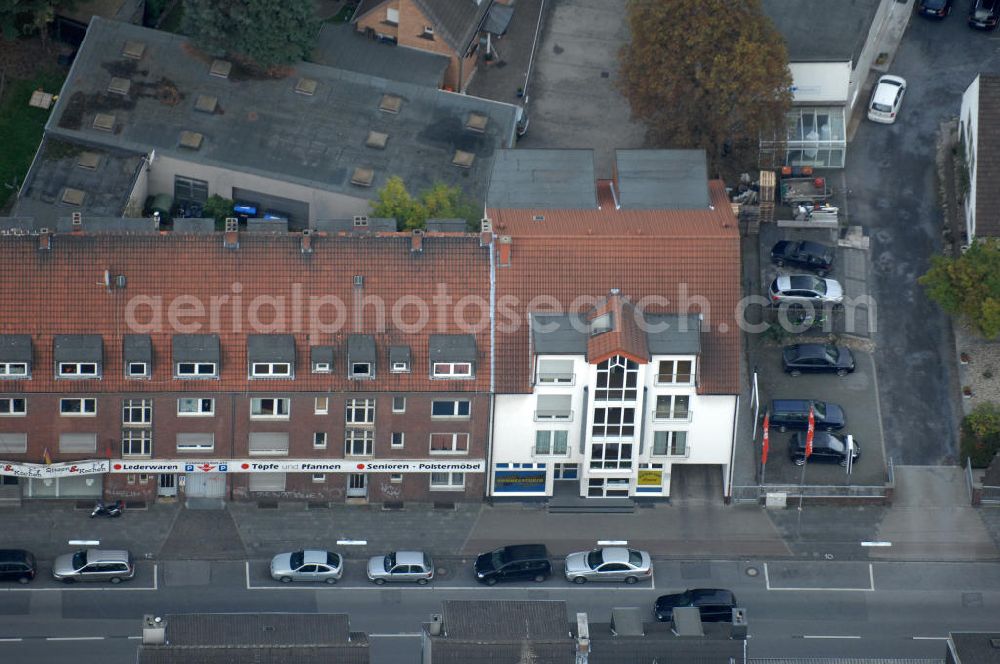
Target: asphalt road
{"points": [[890, 173], [795, 608]]}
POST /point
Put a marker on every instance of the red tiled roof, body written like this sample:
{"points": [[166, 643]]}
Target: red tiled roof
{"points": [[625, 336], [62, 291], [718, 222]]}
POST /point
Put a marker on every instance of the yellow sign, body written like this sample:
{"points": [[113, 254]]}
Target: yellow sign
{"points": [[650, 477]]}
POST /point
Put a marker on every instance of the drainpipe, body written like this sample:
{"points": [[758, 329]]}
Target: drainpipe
{"points": [[493, 335], [232, 438]]}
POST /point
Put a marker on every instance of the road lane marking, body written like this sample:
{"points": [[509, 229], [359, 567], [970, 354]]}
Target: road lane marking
{"points": [[876, 544], [828, 636], [83, 586], [74, 638], [413, 635], [929, 638], [11, 640], [869, 589]]}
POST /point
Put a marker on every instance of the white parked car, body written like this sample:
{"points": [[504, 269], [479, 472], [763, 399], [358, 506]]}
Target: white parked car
{"points": [[805, 288], [886, 99]]}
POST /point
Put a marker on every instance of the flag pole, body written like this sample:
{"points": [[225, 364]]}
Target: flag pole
{"points": [[810, 430]]}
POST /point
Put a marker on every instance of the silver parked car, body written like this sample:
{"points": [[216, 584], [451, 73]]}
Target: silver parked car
{"points": [[401, 566], [308, 565], [94, 565], [611, 563]]}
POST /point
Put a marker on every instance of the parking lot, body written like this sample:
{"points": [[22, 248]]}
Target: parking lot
{"points": [[146, 578]]}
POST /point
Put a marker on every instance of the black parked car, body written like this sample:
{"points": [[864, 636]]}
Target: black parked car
{"points": [[794, 414], [984, 14], [714, 604], [17, 565], [827, 448], [514, 563], [934, 8], [817, 358], [809, 255]]}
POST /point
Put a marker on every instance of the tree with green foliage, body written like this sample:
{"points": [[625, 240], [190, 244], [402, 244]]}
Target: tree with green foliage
{"points": [[260, 32], [19, 18], [981, 434], [969, 286], [441, 201], [710, 74], [218, 208]]}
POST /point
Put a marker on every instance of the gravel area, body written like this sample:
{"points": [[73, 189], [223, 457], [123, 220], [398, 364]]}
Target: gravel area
{"points": [[978, 367]]}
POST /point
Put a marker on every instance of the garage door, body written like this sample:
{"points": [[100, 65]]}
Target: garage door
{"points": [[296, 212], [205, 485], [267, 482]]}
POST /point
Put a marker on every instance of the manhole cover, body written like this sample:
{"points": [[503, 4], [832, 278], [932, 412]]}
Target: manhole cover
{"points": [[752, 571]]}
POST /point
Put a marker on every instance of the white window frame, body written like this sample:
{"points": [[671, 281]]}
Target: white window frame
{"points": [[400, 367], [322, 368], [132, 374], [366, 437], [319, 440], [83, 402], [197, 447], [359, 412], [367, 374], [428, 31], [200, 412], [8, 404], [142, 408], [401, 409], [608, 429], [195, 370], [672, 376], [402, 440], [141, 437], [452, 370], [450, 485], [672, 443], [318, 478], [270, 370], [550, 434], [396, 478], [80, 370], [554, 377], [458, 440], [321, 405], [392, 15], [281, 408], [7, 370], [673, 413], [456, 413]]}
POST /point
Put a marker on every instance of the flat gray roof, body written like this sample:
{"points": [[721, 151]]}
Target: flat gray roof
{"points": [[553, 179], [105, 180], [503, 620], [271, 348], [15, 348], [820, 30], [558, 334], [340, 46], [662, 179], [321, 354], [673, 334], [195, 348], [257, 629], [399, 354], [452, 348], [262, 126], [78, 348]]}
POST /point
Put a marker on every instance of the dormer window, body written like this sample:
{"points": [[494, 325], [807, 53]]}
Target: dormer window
{"points": [[78, 356], [453, 356], [271, 355], [138, 351], [15, 356], [399, 359], [77, 370], [400, 367], [270, 370], [321, 359], [138, 370], [196, 356], [13, 369], [602, 324], [322, 367], [361, 370], [452, 370], [196, 370], [361, 357], [428, 32]]}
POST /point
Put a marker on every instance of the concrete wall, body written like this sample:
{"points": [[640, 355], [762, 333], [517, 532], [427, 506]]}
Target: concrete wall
{"points": [[968, 128], [870, 51]]}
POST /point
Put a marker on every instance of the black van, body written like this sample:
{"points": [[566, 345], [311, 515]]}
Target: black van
{"points": [[514, 563], [17, 565], [794, 414]]}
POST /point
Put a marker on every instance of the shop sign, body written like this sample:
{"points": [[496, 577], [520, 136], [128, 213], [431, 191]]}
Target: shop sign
{"points": [[299, 466], [50, 470], [519, 481], [650, 478]]}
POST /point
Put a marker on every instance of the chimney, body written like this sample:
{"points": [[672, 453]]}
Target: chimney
{"points": [[436, 625], [582, 639], [307, 241], [417, 240], [486, 232], [76, 220], [504, 249], [231, 237], [44, 240]]}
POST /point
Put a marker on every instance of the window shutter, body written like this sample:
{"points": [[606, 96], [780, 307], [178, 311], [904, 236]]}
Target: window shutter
{"points": [[267, 482], [78, 442], [555, 371], [13, 443], [269, 443], [554, 405]]}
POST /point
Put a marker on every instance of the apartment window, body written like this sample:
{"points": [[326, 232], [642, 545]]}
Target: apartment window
{"points": [[358, 442], [555, 372], [322, 367], [400, 367], [137, 370], [188, 407], [447, 481], [670, 443], [318, 478], [77, 370], [196, 442], [196, 370], [13, 370], [321, 405], [78, 443], [137, 442], [270, 408], [674, 372], [319, 440], [137, 411], [617, 378], [396, 478], [449, 443], [268, 443], [398, 439], [190, 190], [672, 407], [143, 478], [361, 370], [392, 16], [13, 443], [554, 407], [610, 455], [78, 407], [613, 422], [270, 370], [13, 406], [399, 404], [452, 370], [130, 478], [360, 411], [450, 408], [552, 442]]}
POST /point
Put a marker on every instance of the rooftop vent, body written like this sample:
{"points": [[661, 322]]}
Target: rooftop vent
{"points": [[133, 49], [72, 197], [363, 177], [104, 121], [360, 222], [463, 159], [76, 219], [538, 217], [191, 140], [477, 122], [221, 68], [390, 104], [88, 160], [359, 280], [119, 86], [377, 140], [306, 241], [306, 86], [206, 103]]}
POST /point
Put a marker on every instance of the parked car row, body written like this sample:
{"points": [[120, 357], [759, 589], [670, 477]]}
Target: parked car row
{"points": [[793, 414], [84, 565], [983, 14]]}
